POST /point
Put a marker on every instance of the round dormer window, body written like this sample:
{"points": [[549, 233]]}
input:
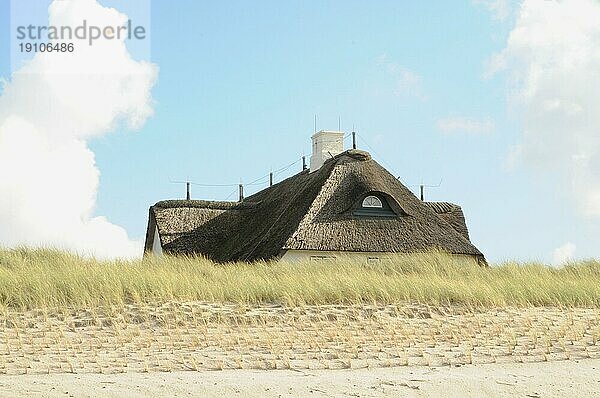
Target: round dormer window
{"points": [[372, 202]]}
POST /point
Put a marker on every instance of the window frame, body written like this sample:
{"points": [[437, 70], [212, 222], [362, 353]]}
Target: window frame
{"points": [[368, 206], [385, 211]]}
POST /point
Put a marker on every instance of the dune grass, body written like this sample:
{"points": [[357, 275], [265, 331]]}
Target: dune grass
{"points": [[42, 278]]}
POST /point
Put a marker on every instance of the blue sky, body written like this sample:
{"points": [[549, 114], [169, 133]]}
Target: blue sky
{"points": [[239, 84]]}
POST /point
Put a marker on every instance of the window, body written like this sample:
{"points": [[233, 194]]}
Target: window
{"points": [[372, 202], [321, 258], [374, 205]]}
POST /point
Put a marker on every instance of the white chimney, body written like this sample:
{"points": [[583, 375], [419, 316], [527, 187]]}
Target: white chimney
{"points": [[325, 145]]}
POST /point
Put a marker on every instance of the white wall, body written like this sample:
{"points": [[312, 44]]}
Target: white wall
{"points": [[367, 257], [156, 246], [313, 255]]}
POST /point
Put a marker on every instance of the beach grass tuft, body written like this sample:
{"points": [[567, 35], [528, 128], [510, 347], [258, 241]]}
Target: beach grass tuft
{"points": [[45, 278]]}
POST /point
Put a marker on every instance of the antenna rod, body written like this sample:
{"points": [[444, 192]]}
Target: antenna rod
{"points": [[187, 194], [422, 195], [303, 163], [339, 123], [271, 179], [353, 140], [315, 123], [241, 186]]}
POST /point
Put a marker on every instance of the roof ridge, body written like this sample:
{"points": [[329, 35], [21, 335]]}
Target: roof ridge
{"points": [[207, 204], [328, 169], [356, 154], [441, 207]]}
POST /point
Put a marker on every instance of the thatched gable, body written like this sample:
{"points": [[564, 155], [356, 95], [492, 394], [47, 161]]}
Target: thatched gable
{"points": [[452, 214], [312, 211]]}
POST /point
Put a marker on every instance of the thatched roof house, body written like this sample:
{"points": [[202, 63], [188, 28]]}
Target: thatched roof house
{"points": [[346, 203]]}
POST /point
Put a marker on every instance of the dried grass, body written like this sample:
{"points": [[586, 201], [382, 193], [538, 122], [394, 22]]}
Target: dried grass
{"points": [[42, 278]]}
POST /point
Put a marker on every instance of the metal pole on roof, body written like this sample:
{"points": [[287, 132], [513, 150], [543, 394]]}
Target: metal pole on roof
{"points": [[187, 194], [271, 179], [241, 192], [423, 186], [303, 163], [353, 140]]}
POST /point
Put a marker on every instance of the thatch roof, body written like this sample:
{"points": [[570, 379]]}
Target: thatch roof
{"points": [[452, 214], [312, 211]]}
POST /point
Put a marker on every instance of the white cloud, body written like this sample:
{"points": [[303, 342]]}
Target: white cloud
{"points": [[466, 125], [405, 82], [553, 60], [563, 254], [501, 9], [48, 111]]}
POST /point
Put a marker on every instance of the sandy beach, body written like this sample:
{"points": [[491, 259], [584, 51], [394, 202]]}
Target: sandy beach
{"points": [[204, 349], [202, 336], [551, 379]]}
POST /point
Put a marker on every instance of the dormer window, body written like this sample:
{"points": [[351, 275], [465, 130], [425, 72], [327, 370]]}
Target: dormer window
{"points": [[374, 205], [372, 202]]}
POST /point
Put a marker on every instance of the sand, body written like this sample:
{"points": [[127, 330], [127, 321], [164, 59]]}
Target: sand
{"points": [[206, 349], [199, 336], [550, 379]]}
